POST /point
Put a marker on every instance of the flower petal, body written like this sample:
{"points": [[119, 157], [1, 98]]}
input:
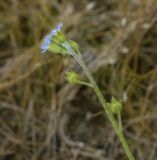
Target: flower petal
{"points": [[46, 43], [57, 29]]}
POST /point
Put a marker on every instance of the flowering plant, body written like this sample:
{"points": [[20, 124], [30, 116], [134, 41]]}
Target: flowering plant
{"points": [[57, 42]]}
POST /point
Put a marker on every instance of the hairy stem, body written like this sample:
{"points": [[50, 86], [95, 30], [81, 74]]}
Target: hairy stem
{"points": [[110, 116]]}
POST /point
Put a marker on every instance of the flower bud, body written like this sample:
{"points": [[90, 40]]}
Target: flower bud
{"points": [[72, 77], [74, 46], [57, 49], [116, 106]]}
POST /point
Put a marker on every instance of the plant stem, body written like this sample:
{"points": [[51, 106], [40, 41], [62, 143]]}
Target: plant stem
{"points": [[84, 83], [120, 122], [110, 116]]}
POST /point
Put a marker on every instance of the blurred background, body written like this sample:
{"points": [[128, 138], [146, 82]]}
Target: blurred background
{"points": [[41, 115]]}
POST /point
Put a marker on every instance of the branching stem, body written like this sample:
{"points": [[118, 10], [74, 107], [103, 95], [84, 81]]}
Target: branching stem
{"points": [[116, 125]]}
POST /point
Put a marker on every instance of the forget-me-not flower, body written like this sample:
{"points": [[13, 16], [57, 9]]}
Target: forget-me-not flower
{"points": [[49, 38], [57, 29], [46, 43], [57, 42]]}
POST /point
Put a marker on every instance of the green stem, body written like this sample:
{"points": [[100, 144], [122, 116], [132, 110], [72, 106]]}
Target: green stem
{"points": [[120, 122], [84, 83], [103, 102]]}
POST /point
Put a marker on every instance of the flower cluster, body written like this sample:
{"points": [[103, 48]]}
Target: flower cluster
{"points": [[57, 42]]}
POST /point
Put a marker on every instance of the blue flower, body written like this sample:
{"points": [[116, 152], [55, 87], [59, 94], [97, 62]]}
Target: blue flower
{"points": [[48, 39], [46, 43], [57, 29]]}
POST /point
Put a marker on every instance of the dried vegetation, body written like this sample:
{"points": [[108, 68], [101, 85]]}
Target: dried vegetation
{"points": [[41, 115]]}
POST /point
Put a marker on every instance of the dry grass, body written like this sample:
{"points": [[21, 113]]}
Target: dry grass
{"points": [[43, 117]]}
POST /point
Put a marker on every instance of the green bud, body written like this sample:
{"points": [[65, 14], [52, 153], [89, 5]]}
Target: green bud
{"points": [[66, 46], [57, 49], [59, 38], [116, 106], [72, 77], [74, 46]]}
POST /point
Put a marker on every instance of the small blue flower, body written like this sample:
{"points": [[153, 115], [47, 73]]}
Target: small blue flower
{"points": [[57, 29], [48, 39], [46, 43]]}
